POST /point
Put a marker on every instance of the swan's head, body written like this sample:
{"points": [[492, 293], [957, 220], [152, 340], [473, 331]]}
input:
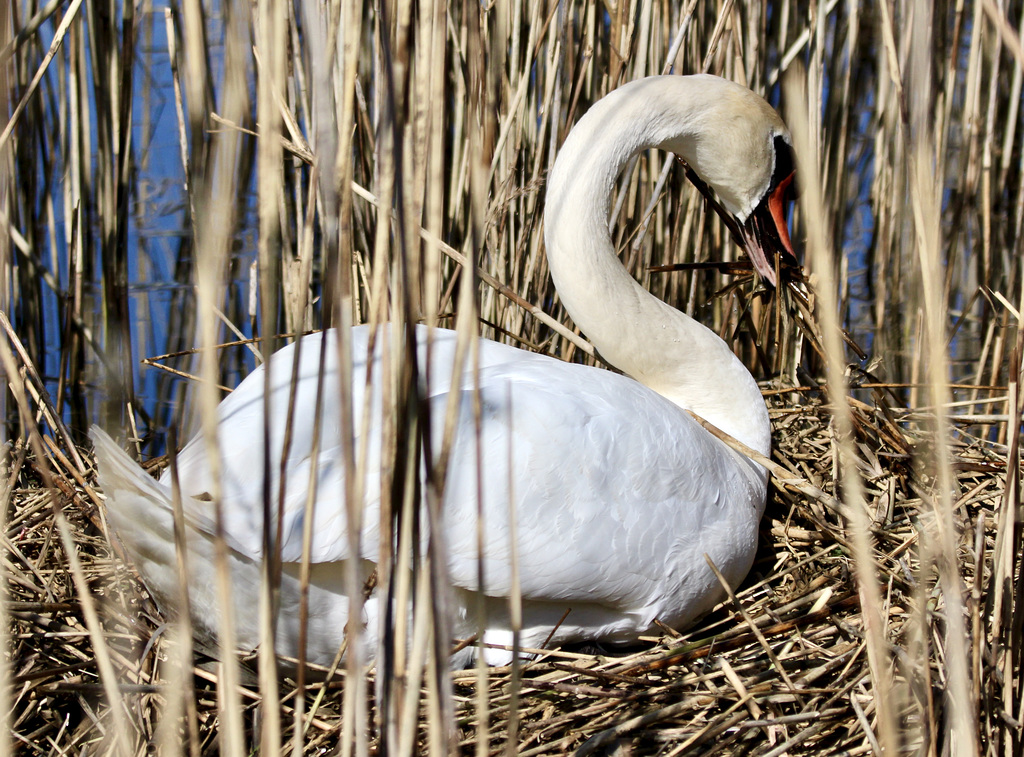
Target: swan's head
{"points": [[730, 137], [739, 146], [765, 232]]}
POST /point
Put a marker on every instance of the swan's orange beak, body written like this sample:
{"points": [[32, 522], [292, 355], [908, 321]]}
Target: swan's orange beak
{"points": [[766, 233]]}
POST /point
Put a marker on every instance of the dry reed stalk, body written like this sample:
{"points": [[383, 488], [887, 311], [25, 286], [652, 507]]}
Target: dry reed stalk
{"points": [[214, 179], [961, 721], [820, 262], [270, 38]]}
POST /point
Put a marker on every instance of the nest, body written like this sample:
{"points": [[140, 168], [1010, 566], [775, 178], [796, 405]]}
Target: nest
{"points": [[782, 667]]}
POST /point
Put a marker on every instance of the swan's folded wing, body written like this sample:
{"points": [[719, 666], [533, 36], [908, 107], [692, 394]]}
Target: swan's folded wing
{"points": [[241, 421], [618, 493]]}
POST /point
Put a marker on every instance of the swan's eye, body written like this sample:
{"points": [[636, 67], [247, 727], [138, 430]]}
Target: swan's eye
{"points": [[785, 166]]}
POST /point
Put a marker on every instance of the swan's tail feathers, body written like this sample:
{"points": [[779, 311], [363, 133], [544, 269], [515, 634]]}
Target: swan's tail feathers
{"points": [[141, 512], [129, 489]]}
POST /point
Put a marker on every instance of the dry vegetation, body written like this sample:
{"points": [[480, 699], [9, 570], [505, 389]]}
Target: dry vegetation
{"points": [[390, 159]]}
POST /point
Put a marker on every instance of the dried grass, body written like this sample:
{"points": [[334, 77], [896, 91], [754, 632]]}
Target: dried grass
{"points": [[782, 669]]}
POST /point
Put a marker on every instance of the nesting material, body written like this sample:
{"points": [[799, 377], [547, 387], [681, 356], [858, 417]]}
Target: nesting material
{"points": [[781, 668]]}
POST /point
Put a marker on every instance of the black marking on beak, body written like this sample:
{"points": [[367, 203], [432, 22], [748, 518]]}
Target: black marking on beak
{"points": [[765, 235]]}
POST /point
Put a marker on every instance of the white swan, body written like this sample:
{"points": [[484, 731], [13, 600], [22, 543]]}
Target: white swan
{"points": [[619, 492]]}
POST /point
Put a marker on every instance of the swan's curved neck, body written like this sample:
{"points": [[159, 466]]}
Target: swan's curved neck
{"points": [[632, 329]]}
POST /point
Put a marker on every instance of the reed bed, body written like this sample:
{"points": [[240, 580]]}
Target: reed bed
{"points": [[782, 668], [332, 164]]}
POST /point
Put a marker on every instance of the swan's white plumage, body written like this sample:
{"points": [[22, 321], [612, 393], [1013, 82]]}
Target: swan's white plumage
{"points": [[619, 492]]}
